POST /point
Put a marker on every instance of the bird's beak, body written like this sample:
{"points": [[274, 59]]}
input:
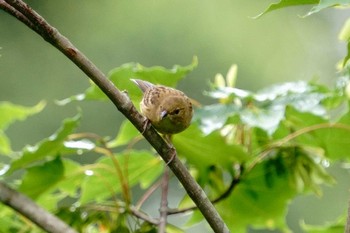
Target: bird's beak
{"points": [[163, 114]]}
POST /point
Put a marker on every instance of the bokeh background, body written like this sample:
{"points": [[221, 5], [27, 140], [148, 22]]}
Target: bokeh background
{"points": [[281, 46]]}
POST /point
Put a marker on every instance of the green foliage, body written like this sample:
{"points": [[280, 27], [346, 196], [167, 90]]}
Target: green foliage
{"points": [[277, 142], [121, 76], [11, 113], [282, 137], [319, 5]]}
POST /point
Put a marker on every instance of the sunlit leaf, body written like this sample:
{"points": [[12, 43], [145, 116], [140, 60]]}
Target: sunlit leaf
{"points": [[5, 145], [337, 226], [121, 76], [206, 150], [265, 200], [48, 147], [10, 113], [39, 179], [125, 134], [323, 4], [319, 5], [213, 117], [287, 3], [139, 167]]}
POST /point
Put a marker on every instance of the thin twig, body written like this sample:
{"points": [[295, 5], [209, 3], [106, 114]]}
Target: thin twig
{"points": [[164, 201], [223, 196], [32, 211], [148, 193], [125, 106], [143, 216], [292, 136]]}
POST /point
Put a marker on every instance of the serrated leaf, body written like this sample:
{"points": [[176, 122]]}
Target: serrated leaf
{"points": [[10, 113], [323, 4], [40, 178], [5, 145], [320, 5], [126, 133], [336, 226], [48, 147], [206, 150], [286, 3], [267, 204], [141, 167], [213, 117], [121, 76]]}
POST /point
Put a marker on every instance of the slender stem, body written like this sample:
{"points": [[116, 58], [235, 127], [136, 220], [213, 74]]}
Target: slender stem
{"points": [[164, 201], [125, 106], [148, 193], [32, 211], [347, 227], [224, 195]]}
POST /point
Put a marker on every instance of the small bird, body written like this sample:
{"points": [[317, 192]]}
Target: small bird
{"points": [[169, 110]]}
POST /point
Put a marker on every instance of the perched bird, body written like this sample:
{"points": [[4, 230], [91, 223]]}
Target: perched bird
{"points": [[169, 110]]}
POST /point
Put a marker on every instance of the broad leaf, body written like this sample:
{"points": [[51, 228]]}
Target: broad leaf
{"points": [[49, 147], [39, 179], [207, 150], [287, 3], [9, 113], [104, 181], [125, 134], [320, 5], [323, 4], [121, 77]]}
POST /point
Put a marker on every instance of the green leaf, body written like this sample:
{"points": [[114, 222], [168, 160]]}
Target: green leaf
{"points": [[213, 117], [103, 181], [265, 109], [314, 131], [266, 200], [126, 133], [5, 145], [337, 226], [286, 3], [204, 151], [49, 147], [121, 76], [9, 113], [39, 179], [323, 4]]}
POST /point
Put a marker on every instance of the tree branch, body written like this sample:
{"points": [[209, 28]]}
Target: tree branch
{"points": [[32, 211], [125, 106], [164, 201]]}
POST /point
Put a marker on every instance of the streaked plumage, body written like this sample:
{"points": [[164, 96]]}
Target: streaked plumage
{"points": [[169, 110]]}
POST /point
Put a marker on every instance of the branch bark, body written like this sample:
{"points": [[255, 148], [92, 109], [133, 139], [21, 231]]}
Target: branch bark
{"points": [[123, 104], [164, 201], [32, 211]]}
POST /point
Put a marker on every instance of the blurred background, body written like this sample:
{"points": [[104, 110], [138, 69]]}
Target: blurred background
{"points": [[281, 46]]}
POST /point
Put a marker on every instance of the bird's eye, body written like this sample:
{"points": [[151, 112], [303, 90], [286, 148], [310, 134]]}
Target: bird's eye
{"points": [[177, 111]]}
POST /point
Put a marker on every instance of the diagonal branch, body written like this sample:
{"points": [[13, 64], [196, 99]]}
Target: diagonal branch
{"points": [[164, 201], [125, 106], [32, 211]]}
